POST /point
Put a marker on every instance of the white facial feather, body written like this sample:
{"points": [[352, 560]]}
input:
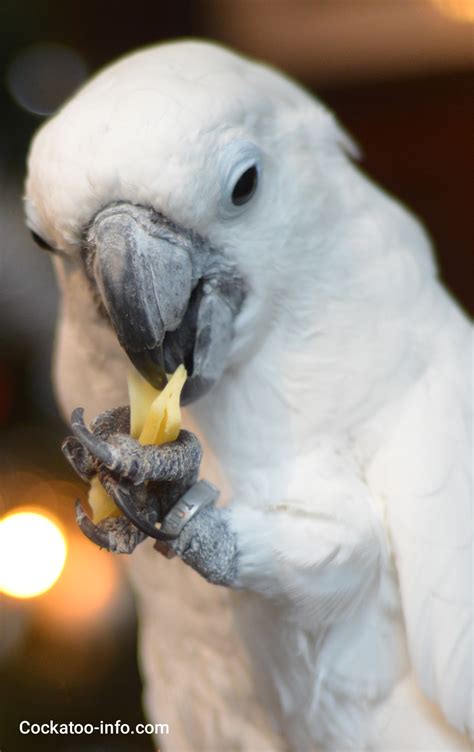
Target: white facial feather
{"points": [[169, 126], [149, 129]]}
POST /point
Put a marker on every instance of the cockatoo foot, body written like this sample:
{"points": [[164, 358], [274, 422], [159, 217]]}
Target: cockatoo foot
{"points": [[105, 425], [80, 459], [208, 544], [126, 458], [149, 485], [116, 534]]}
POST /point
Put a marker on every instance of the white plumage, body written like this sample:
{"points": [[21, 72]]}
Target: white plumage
{"points": [[339, 433]]}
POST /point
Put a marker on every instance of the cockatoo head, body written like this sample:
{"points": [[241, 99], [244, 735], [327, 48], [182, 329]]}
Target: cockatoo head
{"points": [[178, 191]]}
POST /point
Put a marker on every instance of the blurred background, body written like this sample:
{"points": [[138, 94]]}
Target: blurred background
{"points": [[400, 76]]}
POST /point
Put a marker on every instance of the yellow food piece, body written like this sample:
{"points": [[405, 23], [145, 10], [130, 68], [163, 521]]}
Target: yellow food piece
{"points": [[163, 420], [100, 502], [141, 396], [155, 418]]}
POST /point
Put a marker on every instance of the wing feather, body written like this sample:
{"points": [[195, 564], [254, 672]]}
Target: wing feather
{"points": [[425, 472]]}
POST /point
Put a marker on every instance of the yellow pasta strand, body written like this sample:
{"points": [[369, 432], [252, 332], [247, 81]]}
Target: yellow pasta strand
{"points": [[155, 418], [100, 502], [163, 421]]}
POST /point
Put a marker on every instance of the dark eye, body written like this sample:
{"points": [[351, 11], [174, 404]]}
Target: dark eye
{"points": [[245, 186], [39, 241]]}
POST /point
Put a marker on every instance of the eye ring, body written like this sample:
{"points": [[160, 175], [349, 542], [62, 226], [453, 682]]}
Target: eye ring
{"points": [[240, 172], [41, 242], [245, 186]]}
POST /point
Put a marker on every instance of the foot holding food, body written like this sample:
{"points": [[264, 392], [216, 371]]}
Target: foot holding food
{"points": [[141, 490]]}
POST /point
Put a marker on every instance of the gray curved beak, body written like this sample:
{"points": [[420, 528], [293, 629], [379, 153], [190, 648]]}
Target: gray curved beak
{"points": [[145, 280]]}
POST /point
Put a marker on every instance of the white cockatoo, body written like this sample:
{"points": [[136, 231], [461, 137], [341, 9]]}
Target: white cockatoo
{"points": [[203, 208]]}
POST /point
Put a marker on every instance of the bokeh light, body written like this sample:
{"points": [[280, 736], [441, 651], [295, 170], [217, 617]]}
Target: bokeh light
{"points": [[33, 552], [42, 76], [89, 597], [462, 10]]}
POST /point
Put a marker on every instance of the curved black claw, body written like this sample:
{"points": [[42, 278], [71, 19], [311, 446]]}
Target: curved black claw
{"points": [[95, 534], [96, 446], [79, 458], [116, 534], [128, 507]]}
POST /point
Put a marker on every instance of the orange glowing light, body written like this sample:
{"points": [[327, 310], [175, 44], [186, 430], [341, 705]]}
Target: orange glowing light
{"points": [[89, 591], [33, 552], [462, 10]]}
